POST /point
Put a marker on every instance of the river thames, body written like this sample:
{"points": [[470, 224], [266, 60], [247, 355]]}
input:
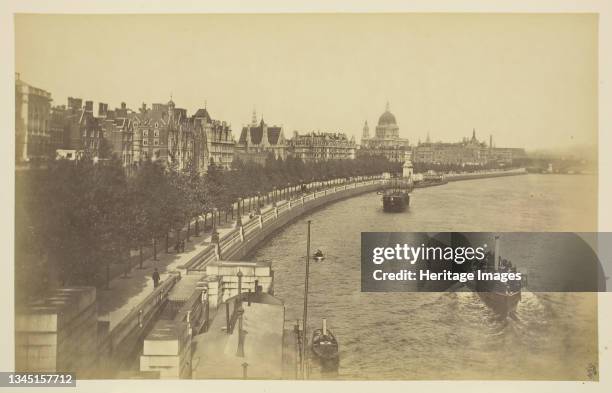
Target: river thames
{"points": [[443, 335]]}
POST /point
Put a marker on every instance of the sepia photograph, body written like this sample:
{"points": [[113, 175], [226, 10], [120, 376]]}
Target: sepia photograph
{"points": [[195, 194]]}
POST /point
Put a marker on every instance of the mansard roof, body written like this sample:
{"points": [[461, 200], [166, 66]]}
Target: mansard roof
{"points": [[274, 134], [256, 134], [203, 113]]}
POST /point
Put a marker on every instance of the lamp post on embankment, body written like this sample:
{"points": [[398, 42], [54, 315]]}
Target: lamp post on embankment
{"points": [[318, 256], [305, 316], [238, 214]]}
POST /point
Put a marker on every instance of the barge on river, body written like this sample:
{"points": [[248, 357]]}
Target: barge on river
{"points": [[396, 195]]}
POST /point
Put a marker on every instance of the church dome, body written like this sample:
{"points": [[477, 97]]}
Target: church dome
{"points": [[387, 118]]}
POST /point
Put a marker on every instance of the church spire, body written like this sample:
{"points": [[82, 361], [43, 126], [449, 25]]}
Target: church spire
{"points": [[387, 107], [254, 118], [366, 131]]}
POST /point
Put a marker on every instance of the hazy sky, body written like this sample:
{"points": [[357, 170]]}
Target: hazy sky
{"points": [[530, 80]]}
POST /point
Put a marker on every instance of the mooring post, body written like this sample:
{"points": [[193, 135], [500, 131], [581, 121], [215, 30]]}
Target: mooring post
{"points": [[298, 348], [244, 370], [227, 318], [240, 351], [218, 249]]}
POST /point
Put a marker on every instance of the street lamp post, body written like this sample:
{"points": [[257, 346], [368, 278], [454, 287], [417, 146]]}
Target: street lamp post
{"points": [[305, 316], [215, 234], [238, 214]]}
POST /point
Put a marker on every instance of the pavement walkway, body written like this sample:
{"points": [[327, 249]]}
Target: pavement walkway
{"points": [[215, 353], [125, 293]]}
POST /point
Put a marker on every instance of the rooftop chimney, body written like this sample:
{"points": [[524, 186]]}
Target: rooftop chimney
{"points": [[123, 106], [102, 109], [89, 106]]}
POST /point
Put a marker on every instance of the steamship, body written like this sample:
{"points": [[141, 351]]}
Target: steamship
{"points": [[501, 297], [396, 196]]}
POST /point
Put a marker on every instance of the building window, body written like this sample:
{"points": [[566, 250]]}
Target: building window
{"points": [[145, 142], [156, 133], [156, 142], [145, 133]]}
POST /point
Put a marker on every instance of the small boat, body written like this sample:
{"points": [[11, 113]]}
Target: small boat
{"points": [[324, 343], [430, 180], [318, 256]]}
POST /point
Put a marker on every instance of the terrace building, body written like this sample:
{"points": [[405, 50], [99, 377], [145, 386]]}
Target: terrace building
{"points": [[32, 122], [163, 133], [323, 146], [216, 143], [469, 151]]}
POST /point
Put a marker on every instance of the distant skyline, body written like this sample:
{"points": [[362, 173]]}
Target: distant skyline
{"points": [[530, 80]]}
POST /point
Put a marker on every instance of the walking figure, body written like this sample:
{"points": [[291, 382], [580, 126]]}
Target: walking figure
{"points": [[155, 278]]}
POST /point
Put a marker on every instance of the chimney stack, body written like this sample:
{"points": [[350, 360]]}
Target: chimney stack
{"points": [[89, 106], [102, 109], [123, 105]]}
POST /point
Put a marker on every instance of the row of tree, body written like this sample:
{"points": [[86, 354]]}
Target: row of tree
{"points": [[75, 218]]}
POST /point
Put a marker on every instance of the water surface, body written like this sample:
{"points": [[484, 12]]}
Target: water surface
{"points": [[444, 335]]}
